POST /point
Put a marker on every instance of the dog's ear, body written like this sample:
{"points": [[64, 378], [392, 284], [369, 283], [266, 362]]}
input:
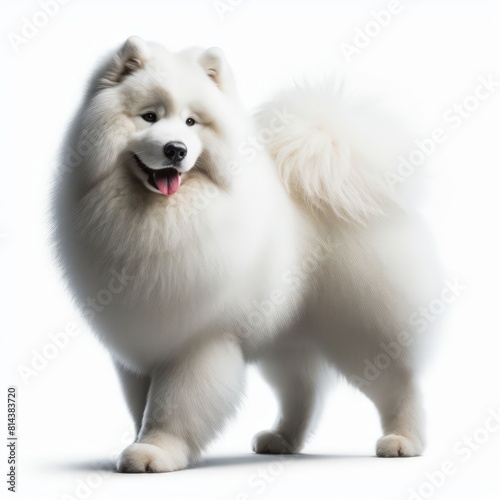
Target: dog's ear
{"points": [[132, 56], [215, 65]]}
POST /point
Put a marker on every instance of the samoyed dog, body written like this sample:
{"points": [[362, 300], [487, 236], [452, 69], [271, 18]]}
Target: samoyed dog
{"points": [[196, 239]]}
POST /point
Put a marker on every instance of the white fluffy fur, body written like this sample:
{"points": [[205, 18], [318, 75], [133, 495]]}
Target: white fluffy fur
{"points": [[296, 257]]}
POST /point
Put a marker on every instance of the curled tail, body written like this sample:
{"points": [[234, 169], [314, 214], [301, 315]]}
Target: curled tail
{"points": [[334, 152]]}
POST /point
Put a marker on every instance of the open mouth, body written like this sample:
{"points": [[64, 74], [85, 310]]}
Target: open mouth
{"points": [[166, 180]]}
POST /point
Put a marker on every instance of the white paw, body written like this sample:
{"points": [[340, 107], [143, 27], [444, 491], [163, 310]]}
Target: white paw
{"points": [[271, 442], [143, 457], [394, 445]]}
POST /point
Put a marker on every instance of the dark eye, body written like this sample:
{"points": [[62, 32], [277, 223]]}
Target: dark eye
{"points": [[149, 117], [190, 122]]}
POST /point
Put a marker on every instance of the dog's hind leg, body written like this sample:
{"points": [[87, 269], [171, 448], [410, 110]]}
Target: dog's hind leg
{"points": [[392, 386], [397, 398], [298, 373]]}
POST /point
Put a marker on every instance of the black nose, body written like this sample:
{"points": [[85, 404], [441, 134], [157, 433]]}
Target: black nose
{"points": [[175, 152]]}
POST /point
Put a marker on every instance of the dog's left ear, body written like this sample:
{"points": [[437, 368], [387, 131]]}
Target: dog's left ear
{"points": [[132, 56], [214, 62]]}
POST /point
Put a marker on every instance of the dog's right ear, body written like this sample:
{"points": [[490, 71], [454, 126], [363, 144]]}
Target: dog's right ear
{"points": [[132, 56]]}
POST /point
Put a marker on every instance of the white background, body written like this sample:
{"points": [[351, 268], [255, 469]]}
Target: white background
{"points": [[71, 414]]}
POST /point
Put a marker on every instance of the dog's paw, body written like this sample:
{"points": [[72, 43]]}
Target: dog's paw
{"points": [[394, 445], [144, 457], [271, 442]]}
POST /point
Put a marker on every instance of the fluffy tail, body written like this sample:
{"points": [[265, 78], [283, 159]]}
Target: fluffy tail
{"points": [[334, 152]]}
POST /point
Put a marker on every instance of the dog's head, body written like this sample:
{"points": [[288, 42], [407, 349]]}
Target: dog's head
{"points": [[163, 115]]}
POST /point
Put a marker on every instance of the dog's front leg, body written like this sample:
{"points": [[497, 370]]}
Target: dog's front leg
{"points": [[189, 401]]}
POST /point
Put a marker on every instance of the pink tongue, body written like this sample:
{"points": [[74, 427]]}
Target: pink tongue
{"points": [[167, 181]]}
